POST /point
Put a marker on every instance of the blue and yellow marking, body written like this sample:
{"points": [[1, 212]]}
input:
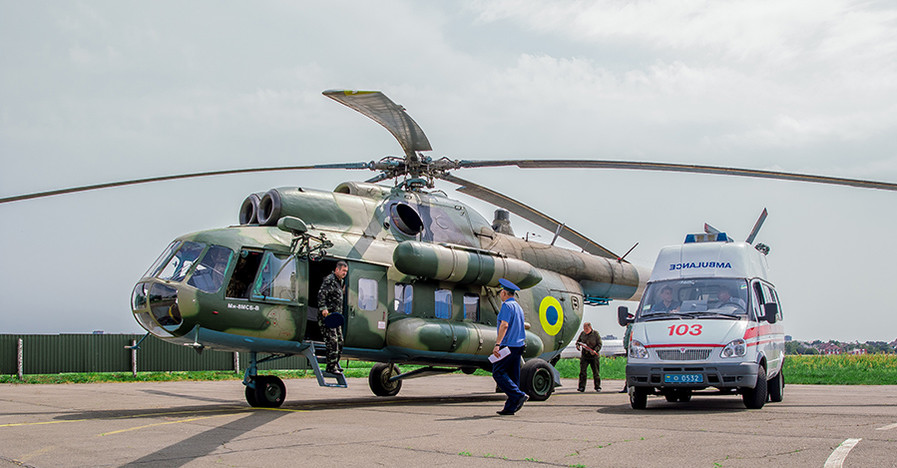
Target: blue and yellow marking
{"points": [[551, 315]]}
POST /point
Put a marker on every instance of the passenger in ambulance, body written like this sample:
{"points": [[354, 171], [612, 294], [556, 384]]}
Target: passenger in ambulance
{"points": [[726, 299], [666, 302]]}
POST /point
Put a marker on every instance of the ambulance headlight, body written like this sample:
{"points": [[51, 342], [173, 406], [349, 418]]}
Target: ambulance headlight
{"points": [[637, 350], [735, 348]]}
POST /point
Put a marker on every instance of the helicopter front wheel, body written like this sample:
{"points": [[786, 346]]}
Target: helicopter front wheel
{"points": [[379, 379], [269, 392]]}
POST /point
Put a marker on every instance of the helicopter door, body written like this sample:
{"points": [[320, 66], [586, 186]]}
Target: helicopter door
{"points": [[366, 306]]}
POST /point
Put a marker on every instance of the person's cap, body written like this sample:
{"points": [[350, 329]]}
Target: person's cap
{"points": [[508, 286]]}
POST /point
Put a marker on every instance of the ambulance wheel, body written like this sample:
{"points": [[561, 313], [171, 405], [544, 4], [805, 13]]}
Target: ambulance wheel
{"points": [[776, 387], [536, 379], [378, 379], [755, 398], [638, 397], [269, 392]]}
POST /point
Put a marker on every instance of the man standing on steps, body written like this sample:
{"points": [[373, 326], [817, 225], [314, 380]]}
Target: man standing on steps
{"points": [[330, 301], [511, 336]]}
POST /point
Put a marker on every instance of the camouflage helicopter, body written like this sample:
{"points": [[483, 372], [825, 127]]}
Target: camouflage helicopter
{"points": [[422, 286]]}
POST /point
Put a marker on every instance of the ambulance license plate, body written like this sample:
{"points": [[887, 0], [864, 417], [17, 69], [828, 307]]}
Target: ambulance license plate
{"points": [[683, 378]]}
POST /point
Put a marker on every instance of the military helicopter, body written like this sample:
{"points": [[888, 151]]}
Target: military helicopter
{"points": [[422, 286]]}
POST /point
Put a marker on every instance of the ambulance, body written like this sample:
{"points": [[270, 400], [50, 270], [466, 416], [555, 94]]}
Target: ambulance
{"points": [[709, 320]]}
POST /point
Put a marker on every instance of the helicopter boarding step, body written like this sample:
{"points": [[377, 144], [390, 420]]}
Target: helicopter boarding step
{"points": [[309, 354]]}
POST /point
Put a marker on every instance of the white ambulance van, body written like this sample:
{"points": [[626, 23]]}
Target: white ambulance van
{"points": [[709, 318]]}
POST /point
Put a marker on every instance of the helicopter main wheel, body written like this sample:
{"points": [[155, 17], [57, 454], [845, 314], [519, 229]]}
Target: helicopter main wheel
{"points": [[536, 379], [269, 392], [378, 379], [468, 370]]}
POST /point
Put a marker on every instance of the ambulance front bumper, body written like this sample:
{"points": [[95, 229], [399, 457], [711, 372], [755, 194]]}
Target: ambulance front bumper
{"points": [[719, 375]]}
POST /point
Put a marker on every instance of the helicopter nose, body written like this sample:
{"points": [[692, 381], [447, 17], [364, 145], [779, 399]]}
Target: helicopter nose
{"points": [[155, 305]]}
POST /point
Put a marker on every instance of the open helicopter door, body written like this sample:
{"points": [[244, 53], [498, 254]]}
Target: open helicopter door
{"points": [[366, 308]]}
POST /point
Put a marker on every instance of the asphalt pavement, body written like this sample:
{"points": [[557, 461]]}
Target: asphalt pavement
{"points": [[446, 420]]}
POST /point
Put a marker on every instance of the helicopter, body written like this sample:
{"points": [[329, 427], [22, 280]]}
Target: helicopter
{"points": [[422, 287]]}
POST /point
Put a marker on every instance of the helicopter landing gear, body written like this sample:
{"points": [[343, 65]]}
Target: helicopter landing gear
{"points": [[269, 392], [536, 379], [382, 379], [263, 391]]}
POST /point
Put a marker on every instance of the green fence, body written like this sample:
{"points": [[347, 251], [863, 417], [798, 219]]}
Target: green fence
{"points": [[54, 354]]}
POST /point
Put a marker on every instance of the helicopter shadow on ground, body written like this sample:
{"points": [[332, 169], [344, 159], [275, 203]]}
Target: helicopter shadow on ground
{"points": [[206, 442], [222, 406]]}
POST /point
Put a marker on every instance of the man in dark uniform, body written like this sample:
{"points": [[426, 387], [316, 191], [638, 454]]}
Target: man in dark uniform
{"points": [[511, 335], [330, 301], [589, 343]]}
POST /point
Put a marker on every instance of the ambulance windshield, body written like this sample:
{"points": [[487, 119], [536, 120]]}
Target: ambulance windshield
{"points": [[688, 298]]}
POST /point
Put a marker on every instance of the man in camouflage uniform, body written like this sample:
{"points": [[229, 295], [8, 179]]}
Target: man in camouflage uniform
{"points": [[330, 301], [590, 343]]}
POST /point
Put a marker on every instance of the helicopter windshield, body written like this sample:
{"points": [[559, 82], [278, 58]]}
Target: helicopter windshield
{"points": [[177, 267], [711, 298], [209, 274]]}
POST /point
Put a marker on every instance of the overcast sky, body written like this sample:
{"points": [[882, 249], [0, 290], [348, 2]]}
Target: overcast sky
{"points": [[92, 92]]}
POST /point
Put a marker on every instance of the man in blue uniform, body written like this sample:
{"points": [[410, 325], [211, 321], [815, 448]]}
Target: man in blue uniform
{"points": [[511, 335]]}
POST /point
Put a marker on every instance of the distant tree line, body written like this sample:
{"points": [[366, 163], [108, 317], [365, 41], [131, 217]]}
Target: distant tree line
{"points": [[837, 347]]}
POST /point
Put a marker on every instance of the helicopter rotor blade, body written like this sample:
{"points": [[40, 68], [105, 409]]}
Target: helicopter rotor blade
{"points": [[671, 167], [757, 226], [529, 213], [379, 108], [147, 180]]}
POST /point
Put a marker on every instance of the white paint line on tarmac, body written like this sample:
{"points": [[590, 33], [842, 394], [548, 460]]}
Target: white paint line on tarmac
{"points": [[836, 459], [889, 426]]}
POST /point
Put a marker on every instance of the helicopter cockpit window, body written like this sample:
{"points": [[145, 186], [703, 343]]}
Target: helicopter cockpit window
{"points": [[209, 274], [472, 307], [367, 294], [710, 298], [179, 265], [404, 298], [277, 278], [241, 281], [443, 304]]}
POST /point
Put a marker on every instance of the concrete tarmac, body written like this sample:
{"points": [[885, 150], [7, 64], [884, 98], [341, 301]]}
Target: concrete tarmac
{"points": [[446, 420]]}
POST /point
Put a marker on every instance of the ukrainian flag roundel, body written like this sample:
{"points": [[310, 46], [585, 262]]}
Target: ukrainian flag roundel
{"points": [[551, 315]]}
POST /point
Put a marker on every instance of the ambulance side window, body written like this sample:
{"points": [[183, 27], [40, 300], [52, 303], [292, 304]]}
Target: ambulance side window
{"points": [[759, 300], [774, 297]]}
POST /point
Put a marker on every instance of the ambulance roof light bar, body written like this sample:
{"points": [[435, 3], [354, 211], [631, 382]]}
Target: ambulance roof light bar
{"points": [[707, 237]]}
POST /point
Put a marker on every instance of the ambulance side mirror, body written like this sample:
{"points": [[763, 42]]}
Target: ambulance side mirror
{"points": [[770, 310], [623, 316]]}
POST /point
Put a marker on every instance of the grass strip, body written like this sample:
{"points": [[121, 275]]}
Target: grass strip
{"points": [[870, 369]]}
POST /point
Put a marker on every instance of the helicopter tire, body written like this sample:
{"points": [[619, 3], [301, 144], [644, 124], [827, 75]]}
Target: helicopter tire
{"points": [[468, 370], [269, 392], [536, 379], [378, 379], [250, 397]]}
